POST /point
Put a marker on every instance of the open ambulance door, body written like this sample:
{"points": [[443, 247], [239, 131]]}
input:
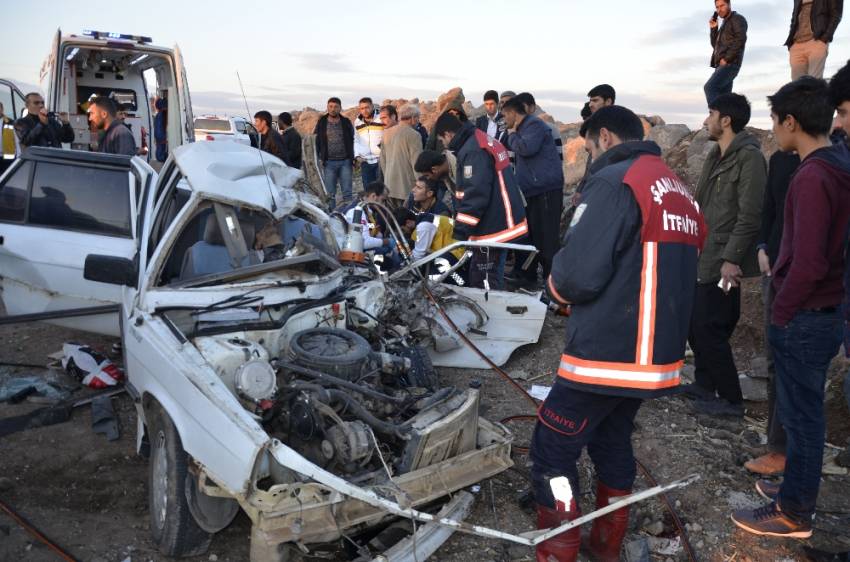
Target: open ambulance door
{"points": [[187, 121], [51, 69]]}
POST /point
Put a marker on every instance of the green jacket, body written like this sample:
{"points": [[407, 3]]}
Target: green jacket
{"points": [[729, 193]]}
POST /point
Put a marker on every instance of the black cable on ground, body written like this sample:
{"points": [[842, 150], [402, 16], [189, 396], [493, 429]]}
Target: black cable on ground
{"points": [[22, 365], [29, 528], [676, 520]]}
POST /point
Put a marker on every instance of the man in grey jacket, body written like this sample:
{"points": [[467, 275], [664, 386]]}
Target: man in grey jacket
{"points": [[730, 193], [117, 138]]}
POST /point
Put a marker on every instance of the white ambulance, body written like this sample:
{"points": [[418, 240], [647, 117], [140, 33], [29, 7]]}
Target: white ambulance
{"points": [[138, 76]]}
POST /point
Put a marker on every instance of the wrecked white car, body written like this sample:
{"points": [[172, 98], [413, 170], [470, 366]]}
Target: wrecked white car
{"points": [[267, 375]]}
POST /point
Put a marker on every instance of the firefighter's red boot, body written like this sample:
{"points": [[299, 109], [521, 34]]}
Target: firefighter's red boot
{"points": [[564, 547], [608, 531]]}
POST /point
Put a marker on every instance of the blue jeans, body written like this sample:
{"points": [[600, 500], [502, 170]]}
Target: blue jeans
{"points": [[802, 352], [721, 81], [337, 170], [368, 172]]}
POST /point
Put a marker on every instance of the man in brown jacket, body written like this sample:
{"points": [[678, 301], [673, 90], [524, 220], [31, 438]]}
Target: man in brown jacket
{"points": [[813, 23], [729, 193], [400, 148]]}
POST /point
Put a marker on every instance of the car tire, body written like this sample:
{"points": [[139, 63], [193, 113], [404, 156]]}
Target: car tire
{"points": [[331, 350], [422, 372], [173, 528]]}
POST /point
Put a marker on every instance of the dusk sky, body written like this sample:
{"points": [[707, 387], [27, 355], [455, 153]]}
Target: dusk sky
{"points": [[290, 55]]}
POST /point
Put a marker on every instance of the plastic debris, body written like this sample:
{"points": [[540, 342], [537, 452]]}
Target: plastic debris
{"points": [[92, 368], [664, 547], [539, 391]]}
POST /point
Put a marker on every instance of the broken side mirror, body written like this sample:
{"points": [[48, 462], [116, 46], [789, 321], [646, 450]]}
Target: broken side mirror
{"points": [[110, 269]]}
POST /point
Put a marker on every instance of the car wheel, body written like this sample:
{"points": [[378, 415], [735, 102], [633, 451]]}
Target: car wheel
{"points": [[331, 350], [422, 372], [175, 532]]}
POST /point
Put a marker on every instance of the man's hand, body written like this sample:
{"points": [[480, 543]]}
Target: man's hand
{"points": [[42, 116], [722, 62], [63, 116], [731, 275], [712, 23], [764, 263]]}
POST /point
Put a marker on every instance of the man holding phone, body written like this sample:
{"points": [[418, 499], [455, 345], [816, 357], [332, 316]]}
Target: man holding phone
{"points": [[730, 192], [728, 41], [40, 128]]}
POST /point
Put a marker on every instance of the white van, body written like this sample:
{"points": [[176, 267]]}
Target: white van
{"points": [[126, 68]]}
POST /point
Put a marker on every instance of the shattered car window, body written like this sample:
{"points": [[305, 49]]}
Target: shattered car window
{"points": [[221, 239]]}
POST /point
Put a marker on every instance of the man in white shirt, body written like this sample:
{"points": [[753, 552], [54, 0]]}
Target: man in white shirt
{"points": [[492, 121], [368, 133]]}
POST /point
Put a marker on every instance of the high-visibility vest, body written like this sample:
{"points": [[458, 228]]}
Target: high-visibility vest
{"points": [[10, 140], [444, 236]]}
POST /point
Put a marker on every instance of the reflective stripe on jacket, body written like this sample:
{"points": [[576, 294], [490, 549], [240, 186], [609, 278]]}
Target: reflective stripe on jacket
{"points": [[628, 267], [488, 201]]}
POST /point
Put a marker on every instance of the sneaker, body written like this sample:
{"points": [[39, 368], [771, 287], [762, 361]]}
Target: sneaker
{"points": [[696, 392], [767, 489], [770, 464], [719, 407], [769, 521]]}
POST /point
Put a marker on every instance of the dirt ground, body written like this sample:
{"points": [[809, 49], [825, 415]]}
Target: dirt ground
{"points": [[89, 495]]}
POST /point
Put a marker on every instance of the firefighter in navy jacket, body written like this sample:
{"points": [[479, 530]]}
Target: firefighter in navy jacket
{"points": [[628, 269], [488, 201]]}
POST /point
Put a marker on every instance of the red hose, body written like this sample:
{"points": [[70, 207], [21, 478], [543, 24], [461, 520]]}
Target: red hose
{"points": [[676, 520], [25, 525]]}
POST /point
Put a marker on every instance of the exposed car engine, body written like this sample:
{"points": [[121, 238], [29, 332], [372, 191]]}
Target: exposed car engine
{"points": [[347, 404]]}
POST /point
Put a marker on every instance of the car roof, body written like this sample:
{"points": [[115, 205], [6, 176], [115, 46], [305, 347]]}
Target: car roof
{"points": [[217, 118], [62, 155], [233, 172]]}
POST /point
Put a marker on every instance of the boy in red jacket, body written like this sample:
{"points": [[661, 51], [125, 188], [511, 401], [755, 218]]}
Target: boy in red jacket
{"points": [[806, 324]]}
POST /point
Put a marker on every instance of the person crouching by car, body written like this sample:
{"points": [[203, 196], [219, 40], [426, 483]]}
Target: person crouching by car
{"points": [[117, 138], [425, 197], [428, 233], [374, 239]]}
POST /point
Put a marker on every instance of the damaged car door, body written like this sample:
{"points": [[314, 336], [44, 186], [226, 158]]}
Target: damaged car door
{"points": [[56, 207]]}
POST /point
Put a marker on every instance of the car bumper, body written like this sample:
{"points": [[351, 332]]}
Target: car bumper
{"points": [[313, 513]]}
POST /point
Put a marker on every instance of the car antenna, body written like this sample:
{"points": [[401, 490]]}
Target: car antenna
{"points": [[259, 143]]}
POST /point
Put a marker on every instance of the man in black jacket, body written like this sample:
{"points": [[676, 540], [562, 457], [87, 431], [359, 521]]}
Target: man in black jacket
{"points": [[270, 140], [492, 121], [291, 140], [813, 23], [39, 128], [628, 267], [728, 41], [335, 145], [116, 137], [780, 170]]}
